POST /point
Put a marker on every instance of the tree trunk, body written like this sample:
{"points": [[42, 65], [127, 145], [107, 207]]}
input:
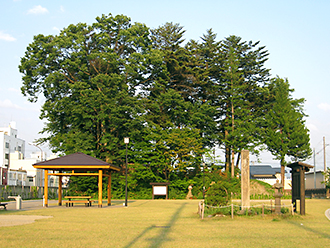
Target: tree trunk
{"points": [[282, 172], [238, 159], [232, 163], [227, 154]]}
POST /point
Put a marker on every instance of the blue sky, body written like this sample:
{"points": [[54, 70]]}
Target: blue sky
{"points": [[296, 34]]}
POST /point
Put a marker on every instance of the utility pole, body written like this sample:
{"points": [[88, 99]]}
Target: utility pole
{"points": [[325, 163], [314, 169]]}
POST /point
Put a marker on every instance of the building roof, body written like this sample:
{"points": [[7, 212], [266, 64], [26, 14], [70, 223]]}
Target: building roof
{"points": [[263, 171], [300, 164], [77, 160]]}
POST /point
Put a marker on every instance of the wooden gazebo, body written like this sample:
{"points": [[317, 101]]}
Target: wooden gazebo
{"points": [[77, 164]]}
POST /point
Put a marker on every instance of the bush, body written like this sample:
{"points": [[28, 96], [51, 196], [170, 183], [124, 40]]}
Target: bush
{"points": [[217, 195]]}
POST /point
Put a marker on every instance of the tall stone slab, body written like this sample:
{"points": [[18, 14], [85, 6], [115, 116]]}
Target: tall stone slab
{"points": [[245, 179]]}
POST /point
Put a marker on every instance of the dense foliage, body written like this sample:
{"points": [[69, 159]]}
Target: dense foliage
{"points": [[326, 177], [176, 100], [284, 126], [222, 189]]}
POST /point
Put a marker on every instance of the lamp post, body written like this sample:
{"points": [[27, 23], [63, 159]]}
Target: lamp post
{"points": [[41, 158], [41, 152], [126, 141], [203, 181]]}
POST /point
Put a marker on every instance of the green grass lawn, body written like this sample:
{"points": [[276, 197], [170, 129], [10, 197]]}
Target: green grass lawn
{"points": [[166, 223]]}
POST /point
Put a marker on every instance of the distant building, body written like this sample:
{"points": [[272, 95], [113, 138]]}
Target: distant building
{"points": [[9, 143], [33, 177], [17, 177], [314, 181], [268, 174], [15, 168]]}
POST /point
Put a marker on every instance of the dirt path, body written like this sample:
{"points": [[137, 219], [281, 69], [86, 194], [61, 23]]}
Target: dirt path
{"points": [[15, 220]]}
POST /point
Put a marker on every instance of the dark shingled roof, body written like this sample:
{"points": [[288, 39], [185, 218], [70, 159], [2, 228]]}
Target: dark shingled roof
{"points": [[75, 159], [300, 164], [263, 171]]}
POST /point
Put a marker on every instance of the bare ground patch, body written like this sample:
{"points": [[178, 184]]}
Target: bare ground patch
{"points": [[15, 220]]}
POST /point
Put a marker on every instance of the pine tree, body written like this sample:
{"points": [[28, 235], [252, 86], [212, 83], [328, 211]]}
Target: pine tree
{"points": [[285, 132], [236, 70]]}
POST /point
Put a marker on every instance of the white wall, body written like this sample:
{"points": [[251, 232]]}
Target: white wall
{"points": [[309, 181], [17, 178], [287, 181], [8, 135]]}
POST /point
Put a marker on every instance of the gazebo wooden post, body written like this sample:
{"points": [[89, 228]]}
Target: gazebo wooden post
{"points": [[109, 189], [46, 188], [60, 190], [100, 188]]}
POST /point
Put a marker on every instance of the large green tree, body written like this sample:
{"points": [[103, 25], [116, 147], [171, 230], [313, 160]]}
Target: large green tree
{"points": [[286, 135], [236, 77], [87, 75], [112, 79]]}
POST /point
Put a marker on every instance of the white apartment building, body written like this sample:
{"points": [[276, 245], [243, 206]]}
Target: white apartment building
{"points": [[19, 165], [15, 168], [9, 143], [30, 175]]}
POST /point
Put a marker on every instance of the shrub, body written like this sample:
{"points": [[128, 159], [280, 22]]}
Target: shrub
{"points": [[219, 192], [217, 195]]}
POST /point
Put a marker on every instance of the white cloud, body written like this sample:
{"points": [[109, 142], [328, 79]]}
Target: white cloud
{"points": [[6, 37], [8, 104], [56, 29], [14, 90], [62, 9], [312, 127], [38, 10], [324, 106]]}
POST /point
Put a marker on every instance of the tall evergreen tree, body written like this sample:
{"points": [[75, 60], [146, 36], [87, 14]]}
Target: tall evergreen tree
{"points": [[236, 69], [285, 132]]}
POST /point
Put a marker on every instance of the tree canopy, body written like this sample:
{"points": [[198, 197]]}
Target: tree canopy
{"points": [[285, 130], [176, 100]]}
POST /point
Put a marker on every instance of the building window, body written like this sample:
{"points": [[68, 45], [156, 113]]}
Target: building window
{"points": [[6, 156], [19, 148], [31, 179], [7, 145]]}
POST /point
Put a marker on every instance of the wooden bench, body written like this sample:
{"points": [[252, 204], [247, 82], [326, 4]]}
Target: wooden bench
{"points": [[3, 205], [78, 199], [70, 203]]}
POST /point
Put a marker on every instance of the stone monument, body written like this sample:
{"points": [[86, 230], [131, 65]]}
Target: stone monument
{"points": [[245, 179], [277, 186], [189, 195]]}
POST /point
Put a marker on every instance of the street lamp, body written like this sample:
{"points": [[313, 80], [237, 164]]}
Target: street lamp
{"points": [[41, 158], [203, 181], [41, 152], [126, 141]]}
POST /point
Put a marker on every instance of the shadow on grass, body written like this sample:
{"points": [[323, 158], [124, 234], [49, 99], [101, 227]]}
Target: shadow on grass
{"points": [[158, 240], [324, 235]]}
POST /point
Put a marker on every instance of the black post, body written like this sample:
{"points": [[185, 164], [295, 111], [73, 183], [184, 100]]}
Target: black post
{"points": [[203, 181]]}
